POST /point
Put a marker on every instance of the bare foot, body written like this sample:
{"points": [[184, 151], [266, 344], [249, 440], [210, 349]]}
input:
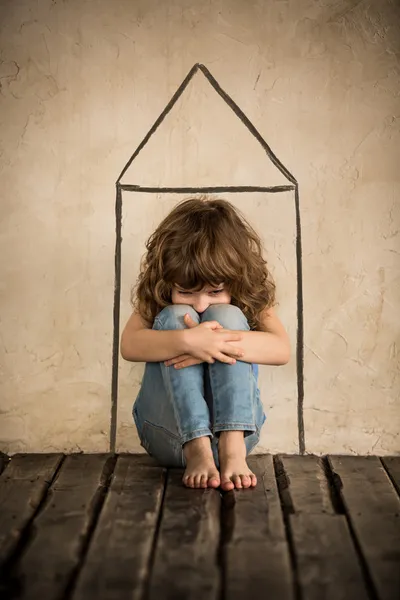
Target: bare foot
{"points": [[232, 459], [201, 471]]}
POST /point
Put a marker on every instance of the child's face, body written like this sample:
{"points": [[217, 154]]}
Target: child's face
{"points": [[200, 301]]}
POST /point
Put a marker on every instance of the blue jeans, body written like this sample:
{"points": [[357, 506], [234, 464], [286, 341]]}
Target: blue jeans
{"points": [[175, 406]]}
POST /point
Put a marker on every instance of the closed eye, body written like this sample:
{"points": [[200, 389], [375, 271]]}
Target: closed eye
{"points": [[212, 292]]}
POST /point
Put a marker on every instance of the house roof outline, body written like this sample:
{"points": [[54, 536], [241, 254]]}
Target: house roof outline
{"points": [[198, 67]]}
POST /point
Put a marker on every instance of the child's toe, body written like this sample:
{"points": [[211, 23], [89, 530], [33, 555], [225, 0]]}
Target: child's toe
{"points": [[197, 481], [203, 481], [188, 481], [237, 481], [227, 484], [246, 481], [214, 482]]}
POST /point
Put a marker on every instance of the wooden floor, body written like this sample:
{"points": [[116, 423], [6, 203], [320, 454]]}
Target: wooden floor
{"points": [[119, 527]]}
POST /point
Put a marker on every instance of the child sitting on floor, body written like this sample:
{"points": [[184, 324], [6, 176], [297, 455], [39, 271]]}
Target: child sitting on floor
{"points": [[203, 320]]}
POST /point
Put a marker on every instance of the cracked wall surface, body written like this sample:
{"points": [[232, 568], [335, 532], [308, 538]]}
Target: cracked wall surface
{"points": [[81, 83]]}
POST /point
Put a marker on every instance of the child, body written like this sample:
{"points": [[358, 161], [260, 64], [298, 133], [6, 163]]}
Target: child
{"points": [[203, 320]]}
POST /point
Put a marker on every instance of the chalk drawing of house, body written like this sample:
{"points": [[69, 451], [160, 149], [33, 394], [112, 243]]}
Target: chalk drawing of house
{"points": [[289, 184]]}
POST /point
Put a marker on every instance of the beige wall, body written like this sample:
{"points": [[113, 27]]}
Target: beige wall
{"points": [[81, 84]]}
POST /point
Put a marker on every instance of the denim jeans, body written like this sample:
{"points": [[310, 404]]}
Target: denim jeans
{"points": [[175, 406]]}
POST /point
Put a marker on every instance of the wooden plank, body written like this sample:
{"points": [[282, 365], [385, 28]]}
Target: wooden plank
{"points": [[256, 556], [306, 484], [373, 508], [327, 562], [392, 466], [60, 529], [140, 459], [116, 566], [23, 485], [185, 563]]}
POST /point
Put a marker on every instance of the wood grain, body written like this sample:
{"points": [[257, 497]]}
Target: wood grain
{"points": [[256, 553], [328, 566], [23, 486], [117, 565], [373, 508], [55, 548], [186, 557]]}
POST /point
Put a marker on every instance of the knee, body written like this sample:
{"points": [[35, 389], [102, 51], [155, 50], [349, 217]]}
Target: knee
{"points": [[227, 315], [171, 317]]}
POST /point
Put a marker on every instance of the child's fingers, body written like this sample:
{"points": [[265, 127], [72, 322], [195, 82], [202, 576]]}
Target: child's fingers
{"points": [[188, 363], [212, 325], [233, 351], [231, 336], [189, 321], [177, 359], [225, 359]]}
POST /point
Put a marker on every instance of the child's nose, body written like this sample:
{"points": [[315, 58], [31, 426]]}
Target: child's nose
{"points": [[200, 307]]}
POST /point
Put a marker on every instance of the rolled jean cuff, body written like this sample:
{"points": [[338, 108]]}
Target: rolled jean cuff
{"points": [[248, 428], [192, 435]]}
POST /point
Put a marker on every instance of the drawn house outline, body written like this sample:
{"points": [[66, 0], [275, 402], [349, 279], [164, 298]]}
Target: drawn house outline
{"points": [[292, 186]]}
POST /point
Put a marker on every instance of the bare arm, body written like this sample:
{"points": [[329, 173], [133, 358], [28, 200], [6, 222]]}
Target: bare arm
{"points": [[268, 347], [140, 343]]}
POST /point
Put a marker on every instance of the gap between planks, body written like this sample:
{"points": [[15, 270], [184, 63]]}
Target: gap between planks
{"points": [[298, 504]]}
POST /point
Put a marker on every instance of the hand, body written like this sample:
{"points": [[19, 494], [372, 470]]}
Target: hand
{"points": [[187, 360], [184, 360], [206, 343]]}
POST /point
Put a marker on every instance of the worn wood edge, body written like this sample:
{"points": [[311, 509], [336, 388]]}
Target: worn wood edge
{"points": [[267, 490], [97, 503], [22, 467], [327, 558], [391, 464], [255, 556], [307, 484], [332, 461], [141, 458], [122, 488], [177, 571], [40, 484], [371, 473], [25, 576], [295, 475]]}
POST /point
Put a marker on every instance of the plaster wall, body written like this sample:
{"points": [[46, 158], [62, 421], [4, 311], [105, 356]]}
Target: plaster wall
{"points": [[81, 83]]}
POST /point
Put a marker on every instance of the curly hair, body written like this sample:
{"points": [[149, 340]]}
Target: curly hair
{"points": [[203, 242]]}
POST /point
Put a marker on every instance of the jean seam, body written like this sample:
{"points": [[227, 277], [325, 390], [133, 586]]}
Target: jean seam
{"points": [[173, 438], [187, 437], [232, 424], [211, 373], [196, 430], [168, 386], [253, 400], [167, 431]]}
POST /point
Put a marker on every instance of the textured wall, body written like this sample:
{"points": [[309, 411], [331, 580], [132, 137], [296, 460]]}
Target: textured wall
{"points": [[80, 85]]}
